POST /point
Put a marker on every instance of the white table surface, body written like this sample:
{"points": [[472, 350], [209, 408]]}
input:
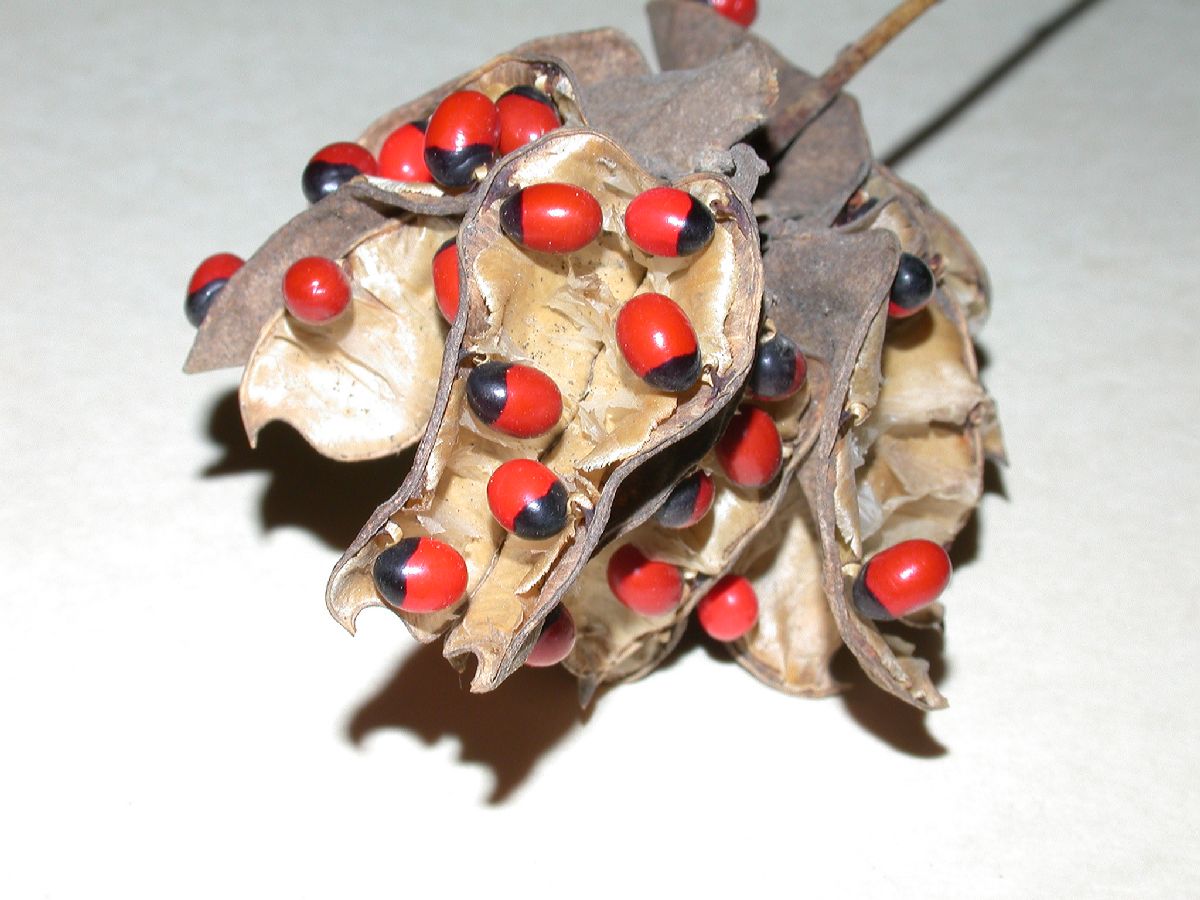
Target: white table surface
{"points": [[181, 718]]}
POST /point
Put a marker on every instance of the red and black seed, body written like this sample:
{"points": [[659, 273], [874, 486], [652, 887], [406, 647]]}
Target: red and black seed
{"points": [[525, 115], [658, 342], [779, 371], [666, 221], [551, 217], [688, 503], [912, 287], [446, 286], [402, 156], [555, 641], [420, 574], [462, 135], [514, 399], [206, 282], [527, 499], [333, 166]]}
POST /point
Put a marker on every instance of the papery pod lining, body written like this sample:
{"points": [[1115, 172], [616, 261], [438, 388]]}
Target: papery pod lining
{"points": [[588, 159]]}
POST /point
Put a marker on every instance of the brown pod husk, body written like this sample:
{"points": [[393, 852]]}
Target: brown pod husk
{"points": [[363, 386], [594, 56], [556, 313], [333, 226], [809, 180]]}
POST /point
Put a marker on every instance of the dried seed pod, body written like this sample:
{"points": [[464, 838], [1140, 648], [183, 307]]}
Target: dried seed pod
{"points": [[554, 312]]}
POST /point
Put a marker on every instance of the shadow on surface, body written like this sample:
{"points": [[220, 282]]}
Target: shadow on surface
{"points": [[507, 730], [900, 726], [329, 499], [1042, 35]]}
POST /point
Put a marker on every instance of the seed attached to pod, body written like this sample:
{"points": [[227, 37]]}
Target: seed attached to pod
{"points": [[688, 503], [552, 217], [750, 451], [420, 574], [206, 282], [743, 12], [779, 371], [556, 640], [659, 343], [912, 287], [649, 587], [527, 499], [517, 400], [445, 279], [729, 610], [333, 166], [402, 156], [461, 136], [525, 115], [665, 221], [315, 290], [901, 579]]}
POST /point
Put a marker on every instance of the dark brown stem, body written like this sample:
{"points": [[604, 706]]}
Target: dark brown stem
{"points": [[808, 106]]}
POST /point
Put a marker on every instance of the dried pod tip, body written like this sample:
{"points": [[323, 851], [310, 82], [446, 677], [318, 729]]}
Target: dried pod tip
{"points": [[420, 574], [555, 642], [527, 499], [901, 580], [552, 218], [462, 135], [729, 610], [315, 290], [658, 342], [750, 451], [647, 586], [402, 156], [666, 221], [334, 165], [206, 282], [912, 288]]}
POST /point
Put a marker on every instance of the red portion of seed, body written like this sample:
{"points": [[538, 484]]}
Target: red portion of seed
{"points": [[552, 217], [462, 135], [743, 12], [420, 575], [527, 499], [556, 640], [729, 610], [659, 343], [216, 267], [666, 221], [649, 587], [347, 153], [445, 279], [901, 579], [750, 451], [402, 157], [525, 115], [316, 290]]}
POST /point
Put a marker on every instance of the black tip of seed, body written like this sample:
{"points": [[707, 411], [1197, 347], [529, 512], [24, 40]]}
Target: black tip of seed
{"points": [[320, 179], [864, 601], [198, 302], [511, 213], [913, 285], [697, 231], [456, 168], [681, 504], [677, 374], [388, 571], [544, 517], [774, 368], [487, 390]]}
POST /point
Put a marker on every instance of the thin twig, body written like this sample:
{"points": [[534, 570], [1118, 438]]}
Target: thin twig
{"points": [[848, 63]]}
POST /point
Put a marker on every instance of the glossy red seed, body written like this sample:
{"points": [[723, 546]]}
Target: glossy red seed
{"points": [[688, 503], [525, 115], [666, 221], [901, 579], [206, 282], [729, 610], [420, 575], [445, 279], [514, 399], [552, 218], [648, 587], [659, 343], [750, 451], [461, 136], [316, 290], [527, 499], [743, 12], [334, 165], [402, 157], [556, 640]]}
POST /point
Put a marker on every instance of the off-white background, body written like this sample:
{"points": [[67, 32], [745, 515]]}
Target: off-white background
{"points": [[179, 717]]}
